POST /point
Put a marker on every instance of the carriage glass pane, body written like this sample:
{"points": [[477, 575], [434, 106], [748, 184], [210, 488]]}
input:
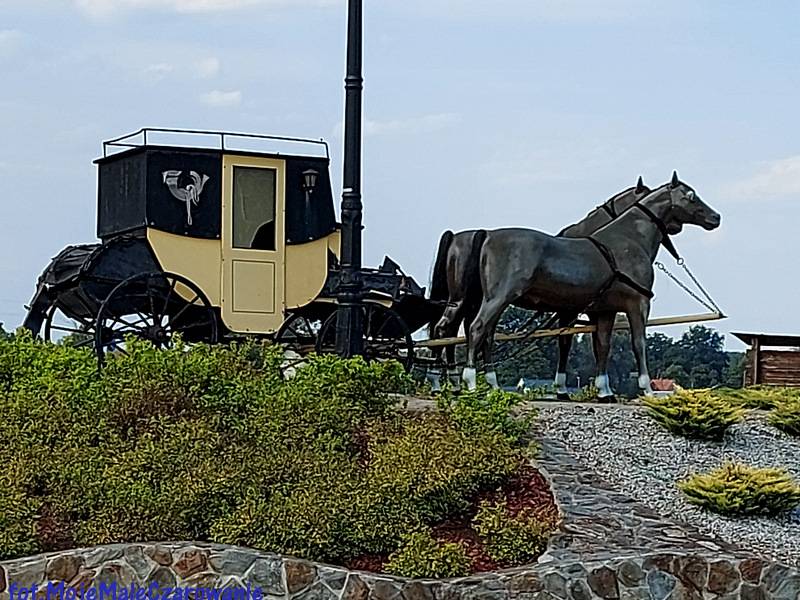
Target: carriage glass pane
{"points": [[254, 208]]}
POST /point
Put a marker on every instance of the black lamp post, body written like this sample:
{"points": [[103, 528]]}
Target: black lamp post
{"points": [[349, 321]]}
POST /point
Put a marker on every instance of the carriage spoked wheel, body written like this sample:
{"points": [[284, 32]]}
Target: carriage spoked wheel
{"points": [[386, 336], [154, 307], [299, 333], [79, 331]]}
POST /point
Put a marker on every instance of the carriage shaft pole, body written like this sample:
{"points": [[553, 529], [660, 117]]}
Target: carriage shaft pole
{"points": [[349, 321], [621, 323]]}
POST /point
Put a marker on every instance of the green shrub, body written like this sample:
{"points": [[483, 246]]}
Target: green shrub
{"points": [[488, 410], [211, 443], [786, 417], [737, 489], [695, 414], [423, 556], [512, 539]]}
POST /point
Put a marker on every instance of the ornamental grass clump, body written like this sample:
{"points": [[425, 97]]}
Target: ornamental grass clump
{"points": [[736, 489], [695, 414], [423, 556]]}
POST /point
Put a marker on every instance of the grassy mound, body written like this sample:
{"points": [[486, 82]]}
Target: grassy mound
{"points": [[211, 443], [695, 414], [761, 397], [737, 489]]}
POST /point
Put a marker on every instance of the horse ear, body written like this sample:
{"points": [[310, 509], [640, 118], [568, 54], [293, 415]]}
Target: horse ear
{"points": [[675, 180], [640, 185]]}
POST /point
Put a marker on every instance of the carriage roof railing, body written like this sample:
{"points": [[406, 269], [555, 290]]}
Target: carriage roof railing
{"points": [[215, 140]]}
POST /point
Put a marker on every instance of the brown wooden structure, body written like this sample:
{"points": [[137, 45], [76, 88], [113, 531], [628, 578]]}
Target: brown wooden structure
{"points": [[771, 359]]}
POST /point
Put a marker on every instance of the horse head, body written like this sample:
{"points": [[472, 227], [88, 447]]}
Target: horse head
{"points": [[689, 208], [685, 207]]}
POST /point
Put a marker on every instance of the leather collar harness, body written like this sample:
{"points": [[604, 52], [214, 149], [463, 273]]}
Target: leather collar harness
{"points": [[624, 278]]}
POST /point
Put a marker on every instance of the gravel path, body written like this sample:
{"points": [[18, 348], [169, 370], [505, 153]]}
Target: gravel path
{"points": [[644, 461]]}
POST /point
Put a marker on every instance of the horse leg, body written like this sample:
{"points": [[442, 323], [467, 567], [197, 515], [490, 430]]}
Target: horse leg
{"points": [[488, 360], [637, 317], [602, 348], [564, 345], [446, 327], [479, 331]]}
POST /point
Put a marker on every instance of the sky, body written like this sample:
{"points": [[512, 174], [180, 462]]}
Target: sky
{"points": [[477, 114]]}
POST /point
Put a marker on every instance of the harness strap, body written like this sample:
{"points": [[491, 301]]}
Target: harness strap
{"points": [[609, 208], [666, 241], [617, 274]]}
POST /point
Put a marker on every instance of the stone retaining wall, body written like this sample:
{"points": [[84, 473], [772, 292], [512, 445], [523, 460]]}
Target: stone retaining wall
{"points": [[608, 547]]}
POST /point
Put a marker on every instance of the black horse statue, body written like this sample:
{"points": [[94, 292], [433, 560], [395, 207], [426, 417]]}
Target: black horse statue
{"points": [[609, 272], [456, 278]]}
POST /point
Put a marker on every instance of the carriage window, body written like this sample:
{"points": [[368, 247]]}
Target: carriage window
{"points": [[253, 208]]}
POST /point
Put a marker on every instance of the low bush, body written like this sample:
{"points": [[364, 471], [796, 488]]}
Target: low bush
{"points": [[211, 443], [761, 397], [786, 417], [486, 409], [737, 489], [695, 414], [423, 556], [512, 539]]}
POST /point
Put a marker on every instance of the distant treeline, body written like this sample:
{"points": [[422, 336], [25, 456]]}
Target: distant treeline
{"points": [[696, 359]]}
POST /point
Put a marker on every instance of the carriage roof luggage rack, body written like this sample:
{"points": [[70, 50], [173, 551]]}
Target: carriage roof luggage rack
{"points": [[129, 140]]}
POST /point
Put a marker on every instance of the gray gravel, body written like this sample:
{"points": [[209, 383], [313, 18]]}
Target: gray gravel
{"points": [[644, 461]]}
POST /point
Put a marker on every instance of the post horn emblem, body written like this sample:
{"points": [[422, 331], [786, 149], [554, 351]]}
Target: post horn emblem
{"points": [[190, 193]]}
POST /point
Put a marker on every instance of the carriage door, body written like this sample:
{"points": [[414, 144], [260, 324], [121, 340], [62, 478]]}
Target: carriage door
{"points": [[252, 244]]}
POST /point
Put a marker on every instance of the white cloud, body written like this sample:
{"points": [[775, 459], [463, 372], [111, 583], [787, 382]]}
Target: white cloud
{"points": [[10, 42], [217, 98], [106, 8], [773, 180], [158, 71], [207, 68]]}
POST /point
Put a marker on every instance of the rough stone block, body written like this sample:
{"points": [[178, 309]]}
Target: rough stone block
{"points": [[190, 562], [141, 565], [101, 555], [267, 573], [231, 562], [27, 572], [751, 569], [660, 584], [160, 554], [115, 572], [299, 575], [163, 577], [723, 578], [630, 574], [603, 582], [579, 590], [64, 567], [752, 592]]}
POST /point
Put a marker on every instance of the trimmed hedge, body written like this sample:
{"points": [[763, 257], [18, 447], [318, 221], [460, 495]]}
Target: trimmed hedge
{"points": [[423, 556], [512, 539], [737, 489], [695, 414], [211, 443]]}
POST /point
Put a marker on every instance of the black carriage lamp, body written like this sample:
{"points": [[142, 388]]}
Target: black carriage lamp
{"points": [[310, 177]]}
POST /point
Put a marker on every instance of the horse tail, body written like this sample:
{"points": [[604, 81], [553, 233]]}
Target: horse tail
{"points": [[439, 290], [475, 258]]}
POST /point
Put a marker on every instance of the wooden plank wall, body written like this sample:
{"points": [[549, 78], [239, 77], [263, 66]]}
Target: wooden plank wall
{"points": [[775, 367]]}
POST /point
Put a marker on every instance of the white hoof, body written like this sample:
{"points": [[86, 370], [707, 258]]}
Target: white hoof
{"points": [[560, 383], [644, 385], [455, 379], [470, 378], [491, 379], [436, 382]]}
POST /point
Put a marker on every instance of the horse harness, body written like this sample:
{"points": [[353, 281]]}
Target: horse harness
{"points": [[620, 276]]}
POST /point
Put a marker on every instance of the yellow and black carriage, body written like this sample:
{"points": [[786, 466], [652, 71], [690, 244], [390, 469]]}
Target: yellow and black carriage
{"points": [[214, 243]]}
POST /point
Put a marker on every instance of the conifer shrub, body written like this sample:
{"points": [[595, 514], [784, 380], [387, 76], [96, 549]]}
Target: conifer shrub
{"points": [[423, 556], [786, 417], [760, 397], [737, 489], [695, 414], [512, 539]]}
